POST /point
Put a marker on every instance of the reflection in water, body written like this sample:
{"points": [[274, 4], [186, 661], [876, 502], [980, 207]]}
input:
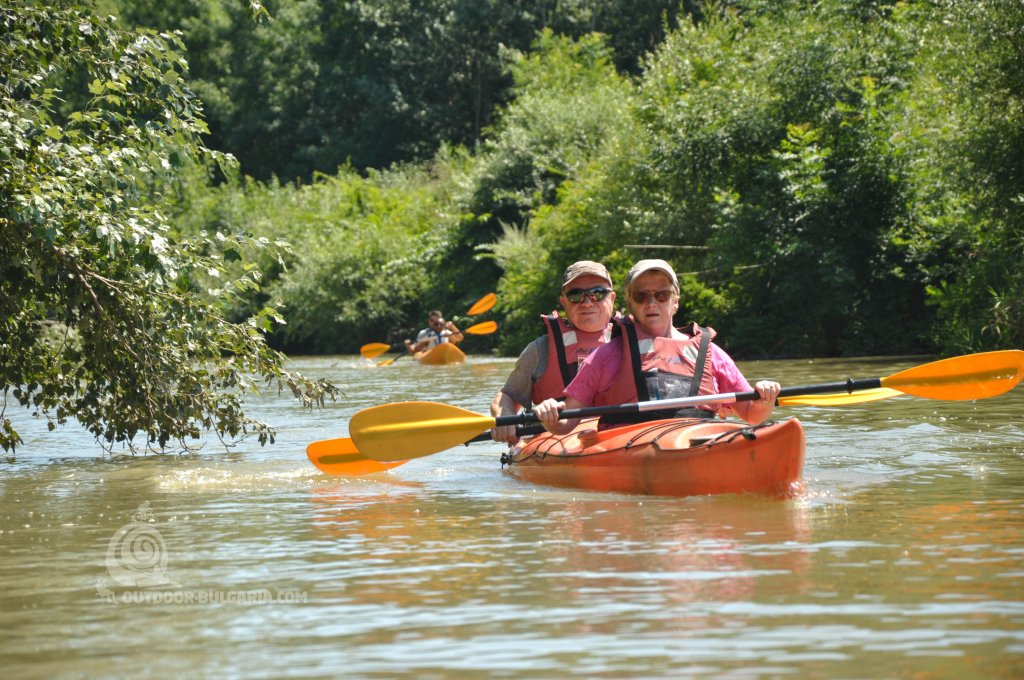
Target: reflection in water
{"points": [[902, 558], [596, 545]]}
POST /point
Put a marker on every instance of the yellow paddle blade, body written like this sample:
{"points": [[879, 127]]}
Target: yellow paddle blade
{"points": [[839, 398], [374, 349], [482, 328], [340, 457], [482, 305], [412, 429], [972, 376]]}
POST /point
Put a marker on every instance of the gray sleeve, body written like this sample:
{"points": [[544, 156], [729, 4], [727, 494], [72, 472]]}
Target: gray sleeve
{"points": [[528, 369]]}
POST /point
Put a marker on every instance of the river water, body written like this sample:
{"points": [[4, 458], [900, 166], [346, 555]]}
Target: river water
{"points": [[903, 558]]}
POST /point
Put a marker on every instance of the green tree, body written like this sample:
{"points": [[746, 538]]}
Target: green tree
{"points": [[757, 153], [820, 170], [570, 109], [107, 314], [962, 124], [368, 83]]}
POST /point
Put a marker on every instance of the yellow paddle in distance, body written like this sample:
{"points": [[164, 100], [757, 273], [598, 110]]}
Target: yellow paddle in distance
{"points": [[374, 349], [482, 305], [419, 428], [482, 328]]}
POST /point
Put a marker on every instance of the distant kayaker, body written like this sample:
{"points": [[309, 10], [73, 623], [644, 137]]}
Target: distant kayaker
{"points": [[657, 361], [438, 330], [550, 362]]}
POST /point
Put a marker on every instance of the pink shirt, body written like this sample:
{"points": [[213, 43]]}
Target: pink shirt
{"points": [[598, 371]]}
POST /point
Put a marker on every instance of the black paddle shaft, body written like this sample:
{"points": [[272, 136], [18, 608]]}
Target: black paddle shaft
{"points": [[849, 386], [520, 432]]}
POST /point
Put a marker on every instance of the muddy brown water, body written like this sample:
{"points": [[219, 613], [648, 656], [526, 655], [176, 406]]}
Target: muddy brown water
{"points": [[903, 558]]}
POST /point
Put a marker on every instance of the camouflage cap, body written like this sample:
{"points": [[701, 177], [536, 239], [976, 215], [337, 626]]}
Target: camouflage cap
{"points": [[583, 267]]}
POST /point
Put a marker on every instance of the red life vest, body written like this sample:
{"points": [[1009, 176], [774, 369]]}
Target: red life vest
{"points": [[661, 368], [567, 348]]}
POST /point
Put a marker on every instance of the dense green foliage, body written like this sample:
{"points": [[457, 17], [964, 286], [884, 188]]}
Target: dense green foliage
{"points": [[759, 141], [833, 180], [361, 250], [960, 136], [829, 178], [107, 313], [368, 83]]}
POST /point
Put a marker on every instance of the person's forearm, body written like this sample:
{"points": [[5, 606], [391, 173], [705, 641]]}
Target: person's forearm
{"points": [[504, 405], [757, 411], [562, 426], [753, 412], [548, 412]]}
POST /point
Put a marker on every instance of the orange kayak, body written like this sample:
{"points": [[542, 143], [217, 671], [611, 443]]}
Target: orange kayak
{"points": [[677, 457], [444, 353]]}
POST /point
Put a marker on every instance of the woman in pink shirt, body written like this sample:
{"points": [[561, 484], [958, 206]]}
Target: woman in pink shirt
{"points": [[664, 362]]}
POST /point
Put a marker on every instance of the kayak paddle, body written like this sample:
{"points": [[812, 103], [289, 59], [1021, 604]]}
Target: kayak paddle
{"points": [[839, 398], [482, 328], [374, 349], [483, 304], [341, 457], [420, 428]]}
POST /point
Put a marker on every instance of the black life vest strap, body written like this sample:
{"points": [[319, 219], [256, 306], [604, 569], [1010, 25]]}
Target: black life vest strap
{"points": [[702, 357], [556, 332], [630, 336], [643, 394]]}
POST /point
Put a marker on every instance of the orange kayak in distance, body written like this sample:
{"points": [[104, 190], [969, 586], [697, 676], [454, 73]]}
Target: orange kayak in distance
{"points": [[441, 354], [676, 457]]}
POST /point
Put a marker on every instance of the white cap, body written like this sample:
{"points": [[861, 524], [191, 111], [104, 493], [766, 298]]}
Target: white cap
{"points": [[652, 265]]}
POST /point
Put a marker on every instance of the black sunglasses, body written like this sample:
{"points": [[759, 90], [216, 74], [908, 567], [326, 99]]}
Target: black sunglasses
{"points": [[597, 294], [642, 296]]}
